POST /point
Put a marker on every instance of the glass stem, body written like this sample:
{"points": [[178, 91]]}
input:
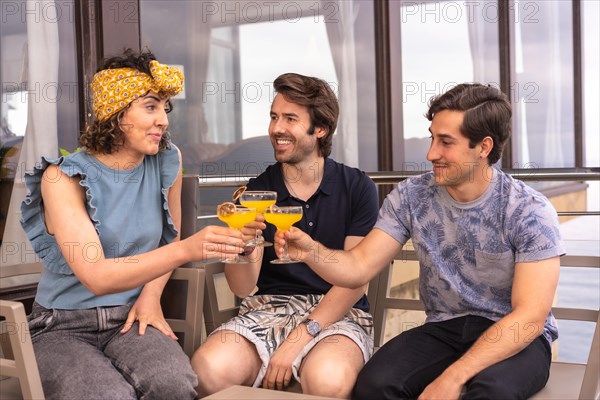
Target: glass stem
{"points": [[285, 251]]}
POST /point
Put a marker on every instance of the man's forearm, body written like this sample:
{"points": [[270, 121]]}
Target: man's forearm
{"points": [[242, 278], [332, 265]]}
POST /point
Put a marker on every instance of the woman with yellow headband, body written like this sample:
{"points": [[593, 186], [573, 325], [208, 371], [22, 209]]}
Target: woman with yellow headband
{"points": [[104, 221]]}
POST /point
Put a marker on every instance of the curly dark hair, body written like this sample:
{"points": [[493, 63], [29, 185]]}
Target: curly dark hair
{"points": [[317, 96], [487, 112], [106, 136]]}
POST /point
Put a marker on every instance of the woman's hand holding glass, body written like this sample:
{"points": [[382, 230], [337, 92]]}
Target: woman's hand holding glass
{"points": [[236, 218], [283, 218], [260, 200], [213, 242]]}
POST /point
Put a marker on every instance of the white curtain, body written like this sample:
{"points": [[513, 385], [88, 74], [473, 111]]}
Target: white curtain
{"points": [[343, 49], [484, 50], [538, 87], [553, 149], [542, 87], [41, 133]]}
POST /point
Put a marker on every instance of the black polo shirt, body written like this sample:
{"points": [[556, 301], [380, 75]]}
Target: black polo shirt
{"points": [[345, 204]]}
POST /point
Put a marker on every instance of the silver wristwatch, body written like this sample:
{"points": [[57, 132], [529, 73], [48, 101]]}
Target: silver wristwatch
{"points": [[312, 326]]}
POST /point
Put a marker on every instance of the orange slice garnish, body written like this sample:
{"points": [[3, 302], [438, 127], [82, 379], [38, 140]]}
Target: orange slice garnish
{"points": [[225, 209], [236, 195]]}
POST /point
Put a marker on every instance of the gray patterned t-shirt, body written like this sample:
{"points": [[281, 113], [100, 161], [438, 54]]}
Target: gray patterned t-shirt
{"points": [[467, 251]]}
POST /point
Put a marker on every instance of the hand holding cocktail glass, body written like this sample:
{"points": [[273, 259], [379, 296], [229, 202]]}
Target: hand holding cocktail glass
{"points": [[297, 242], [283, 218], [260, 200], [235, 217], [213, 242]]}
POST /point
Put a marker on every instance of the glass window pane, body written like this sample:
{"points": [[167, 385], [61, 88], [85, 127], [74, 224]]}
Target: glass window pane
{"points": [[232, 51], [578, 288], [542, 85], [301, 47], [573, 344], [220, 95], [443, 43]]}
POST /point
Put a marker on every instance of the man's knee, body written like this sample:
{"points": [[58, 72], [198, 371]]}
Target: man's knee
{"points": [[211, 371], [221, 364], [329, 379]]}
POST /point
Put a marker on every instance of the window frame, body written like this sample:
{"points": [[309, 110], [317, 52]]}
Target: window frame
{"points": [[118, 26]]}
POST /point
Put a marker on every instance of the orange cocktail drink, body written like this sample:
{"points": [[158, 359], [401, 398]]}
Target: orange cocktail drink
{"points": [[283, 222], [283, 218], [260, 200], [235, 217], [239, 218]]}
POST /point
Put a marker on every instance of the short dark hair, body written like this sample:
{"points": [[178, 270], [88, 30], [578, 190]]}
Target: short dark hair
{"points": [[317, 96], [106, 136], [487, 112]]}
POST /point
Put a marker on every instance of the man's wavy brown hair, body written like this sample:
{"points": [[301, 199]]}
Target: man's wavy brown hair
{"points": [[487, 112], [316, 95]]}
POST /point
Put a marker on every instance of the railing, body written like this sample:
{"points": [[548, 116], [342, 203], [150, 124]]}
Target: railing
{"points": [[390, 178], [380, 178]]}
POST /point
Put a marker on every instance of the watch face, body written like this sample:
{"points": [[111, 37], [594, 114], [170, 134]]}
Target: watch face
{"points": [[313, 327]]}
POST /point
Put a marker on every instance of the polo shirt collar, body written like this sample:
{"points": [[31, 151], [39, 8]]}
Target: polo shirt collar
{"points": [[328, 176], [279, 183]]}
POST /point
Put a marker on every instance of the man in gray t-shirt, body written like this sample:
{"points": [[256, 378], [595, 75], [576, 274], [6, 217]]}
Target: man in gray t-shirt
{"points": [[488, 248]]}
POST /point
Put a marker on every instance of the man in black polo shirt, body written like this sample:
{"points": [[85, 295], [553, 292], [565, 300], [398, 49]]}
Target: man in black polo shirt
{"points": [[297, 325]]}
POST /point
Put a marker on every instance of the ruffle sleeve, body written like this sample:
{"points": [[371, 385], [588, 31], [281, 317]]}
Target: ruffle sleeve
{"points": [[169, 169], [32, 220]]}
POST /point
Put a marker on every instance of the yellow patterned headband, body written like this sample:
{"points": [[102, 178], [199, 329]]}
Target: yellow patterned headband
{"points": [[114, 89]]}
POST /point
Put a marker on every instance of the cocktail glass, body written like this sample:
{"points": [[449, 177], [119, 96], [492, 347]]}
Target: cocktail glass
{"points": [[283, 218], [260, 200], [235, 218]]}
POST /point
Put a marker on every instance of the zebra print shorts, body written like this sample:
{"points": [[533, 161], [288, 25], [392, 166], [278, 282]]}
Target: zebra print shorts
{"points": [[267, 320]]}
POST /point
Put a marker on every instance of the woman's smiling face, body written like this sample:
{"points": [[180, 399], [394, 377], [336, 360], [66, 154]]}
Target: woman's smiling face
{"points": [[144, 123]]}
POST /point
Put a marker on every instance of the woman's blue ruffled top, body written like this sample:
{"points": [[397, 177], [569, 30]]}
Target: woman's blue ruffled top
{"points": [[128, 207]]}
